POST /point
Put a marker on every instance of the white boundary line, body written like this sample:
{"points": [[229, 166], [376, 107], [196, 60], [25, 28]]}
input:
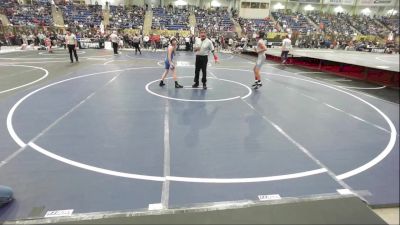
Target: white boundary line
{"points": [[198, 100], [46, 73], [37, 62], [359, 88], [345, 175], [162, 64], [387, 61], [380, 156], [307, 72], [22, 144], [167, 158], [246, 180], [66, 53], [108, 62]]}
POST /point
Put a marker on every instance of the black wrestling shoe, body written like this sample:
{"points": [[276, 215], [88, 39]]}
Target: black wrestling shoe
{"points": [[205, 86], [195, 85], [162, 83], [178, 85], [256, 85]]}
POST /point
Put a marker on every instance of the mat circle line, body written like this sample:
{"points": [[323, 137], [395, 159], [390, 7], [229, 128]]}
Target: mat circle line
{"points": [[379, 157], [46, 73], [21, 143], [199, 100], [62, 53]]}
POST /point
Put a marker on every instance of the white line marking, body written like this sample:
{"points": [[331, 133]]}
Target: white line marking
{"points": [[91, 58], [213, 75], [21, 143], [376, 160], [345, 192], [387, 61], [307, 72], [108, 62], [93, 168], [383, 67], [368, 95], [39, 62], [246, 180], [380, 156], [15, 74], [198, 100], [227, 59], [21, 86], [167, 159], [330, 106], [310, 97], [359, 88], [50, 126], [62, 53], [302, 148], [357, 118], [12, 156], [337, 80], [198, 88], [155, 206]]}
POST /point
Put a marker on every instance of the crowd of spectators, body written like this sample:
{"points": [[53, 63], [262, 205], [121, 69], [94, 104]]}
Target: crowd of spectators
{"points": [[126, 17], [251, 26], [83, 16], [37, 13], [367, 25], [392, 23], [169, 18], [214, 21], [294, 22], [333, 24]]}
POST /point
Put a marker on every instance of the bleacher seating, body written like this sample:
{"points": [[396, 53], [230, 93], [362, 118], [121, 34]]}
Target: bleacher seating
{"points": [[170, 19], [366, 25], [392, 23], [250, 26], [295, 22], [126, 17], [213, 21], [339, 23], [82, 15], [38, 13]]}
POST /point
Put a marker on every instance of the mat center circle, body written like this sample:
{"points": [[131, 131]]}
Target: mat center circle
{"points": [[218, 90]]}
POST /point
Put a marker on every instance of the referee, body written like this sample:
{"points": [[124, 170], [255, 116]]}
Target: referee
{"points": [[203, 46], [72, 44], [114, 40]]}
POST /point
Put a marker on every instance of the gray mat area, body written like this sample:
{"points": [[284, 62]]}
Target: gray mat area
{"points": [[103, 136], [373, 60]]}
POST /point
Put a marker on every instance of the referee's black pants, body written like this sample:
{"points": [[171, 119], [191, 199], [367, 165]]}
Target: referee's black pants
{"points": [[115, 47], [71, 48], [201, 64], [284, 56]]}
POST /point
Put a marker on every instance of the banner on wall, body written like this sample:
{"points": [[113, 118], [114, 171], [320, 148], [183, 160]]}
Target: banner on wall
{"points": [[339, 2], [306, 1], [376, 2]]}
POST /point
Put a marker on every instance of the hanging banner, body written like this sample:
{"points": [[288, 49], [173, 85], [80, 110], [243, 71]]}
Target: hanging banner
{"points": [[339, 2], [377, 2]]}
